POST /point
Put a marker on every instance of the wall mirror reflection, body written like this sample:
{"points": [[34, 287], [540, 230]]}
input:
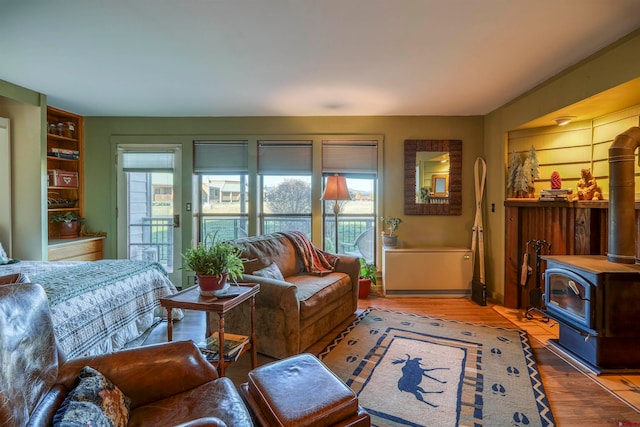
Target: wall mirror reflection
{"points": [[433, 177]]}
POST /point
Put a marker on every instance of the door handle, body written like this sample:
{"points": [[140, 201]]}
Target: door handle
{"points": [[176, 221]]}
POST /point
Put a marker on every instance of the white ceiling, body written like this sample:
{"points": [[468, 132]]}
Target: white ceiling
{"points": [[298, 57]]}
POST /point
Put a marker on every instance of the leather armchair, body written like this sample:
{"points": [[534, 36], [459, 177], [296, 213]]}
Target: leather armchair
{"points": [[169, 384]]}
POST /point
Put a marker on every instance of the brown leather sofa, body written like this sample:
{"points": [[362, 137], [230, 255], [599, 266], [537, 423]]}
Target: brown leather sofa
{"points": [[294, 313], [169, 384]]}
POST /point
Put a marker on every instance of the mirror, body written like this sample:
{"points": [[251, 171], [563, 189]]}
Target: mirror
{"points": [[432, 177]]}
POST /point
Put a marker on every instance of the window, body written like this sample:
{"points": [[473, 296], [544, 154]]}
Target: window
{"points": [[260, 186], [223, 206], [285, 175], [357, 161], [221, 167]]}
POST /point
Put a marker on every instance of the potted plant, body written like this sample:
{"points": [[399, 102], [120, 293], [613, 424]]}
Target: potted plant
{"points": [[214, 261], [68, 224], [368, 274], [391, 223]]}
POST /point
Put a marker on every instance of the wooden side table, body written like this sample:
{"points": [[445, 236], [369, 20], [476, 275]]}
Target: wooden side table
{"points": [[190, 299]]}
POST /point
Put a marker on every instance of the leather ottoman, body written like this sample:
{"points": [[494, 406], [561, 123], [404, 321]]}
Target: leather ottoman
{"points": [[301, 391]]}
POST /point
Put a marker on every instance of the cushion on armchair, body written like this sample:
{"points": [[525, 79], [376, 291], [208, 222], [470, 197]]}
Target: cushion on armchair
{"points": [[94, 401]]}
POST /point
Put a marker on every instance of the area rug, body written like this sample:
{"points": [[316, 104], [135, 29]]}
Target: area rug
{"points": [[413, 370]]}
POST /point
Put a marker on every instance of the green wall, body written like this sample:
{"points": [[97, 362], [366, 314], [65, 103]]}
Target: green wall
{"points": [[414, 231]]}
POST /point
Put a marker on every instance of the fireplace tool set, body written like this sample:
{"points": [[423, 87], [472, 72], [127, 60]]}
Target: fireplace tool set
{"points": [[535, 294]]}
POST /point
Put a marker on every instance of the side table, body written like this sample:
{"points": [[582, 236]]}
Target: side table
{"points": [[190, 299]]}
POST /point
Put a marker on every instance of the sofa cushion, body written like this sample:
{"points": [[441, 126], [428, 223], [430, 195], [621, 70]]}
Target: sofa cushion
{"points": [[271, 271], [94, 401], [261, 251], [317, 293], [218, 398]]}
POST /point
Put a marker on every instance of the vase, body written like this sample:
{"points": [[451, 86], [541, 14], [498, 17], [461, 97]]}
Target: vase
{"points": [[69, 230], [389, 240], [212, 285], [364, 287]]}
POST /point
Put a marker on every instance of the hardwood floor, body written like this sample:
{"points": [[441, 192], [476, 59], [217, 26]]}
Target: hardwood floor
{"points": [[576, 399]]}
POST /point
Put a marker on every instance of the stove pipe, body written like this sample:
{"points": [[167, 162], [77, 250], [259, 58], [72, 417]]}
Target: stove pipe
{"points": [[622, 212]]}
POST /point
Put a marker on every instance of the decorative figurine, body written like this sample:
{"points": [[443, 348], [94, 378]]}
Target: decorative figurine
{"points": [[587, 187]]}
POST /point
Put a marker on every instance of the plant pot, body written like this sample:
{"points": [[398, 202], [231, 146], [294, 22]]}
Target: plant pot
{"points": [[389, 240], [69, 230], [211, 285], [364, 287]]}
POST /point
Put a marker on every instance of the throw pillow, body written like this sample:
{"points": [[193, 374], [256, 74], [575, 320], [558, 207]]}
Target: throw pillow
{"points": [[4, 259], [271, 271], [94, 401]]}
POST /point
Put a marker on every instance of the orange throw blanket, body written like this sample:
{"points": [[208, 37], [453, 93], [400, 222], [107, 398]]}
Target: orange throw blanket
{"points": [[316, 261]]}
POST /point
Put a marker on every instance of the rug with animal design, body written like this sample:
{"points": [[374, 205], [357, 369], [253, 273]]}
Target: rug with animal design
{"points": [[412, 370]]}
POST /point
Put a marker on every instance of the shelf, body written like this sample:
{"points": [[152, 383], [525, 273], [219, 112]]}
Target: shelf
{"points": [[63, 209], [62, 159], [70, 140], [61, 138]]}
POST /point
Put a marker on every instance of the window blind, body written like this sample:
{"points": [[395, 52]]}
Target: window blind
{"points": [[284, 157], [145, 161], [220, 157], [349, 156]]}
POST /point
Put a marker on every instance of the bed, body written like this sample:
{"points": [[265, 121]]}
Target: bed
{"points": [[100, 306]]}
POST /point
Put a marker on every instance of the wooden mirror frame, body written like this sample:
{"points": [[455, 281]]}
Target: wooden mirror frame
{"points": [[411, 148]]}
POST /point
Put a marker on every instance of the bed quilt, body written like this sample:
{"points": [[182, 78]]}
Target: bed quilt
{"points": [[98, 307]]}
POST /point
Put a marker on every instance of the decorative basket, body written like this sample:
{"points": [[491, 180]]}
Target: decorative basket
{"points": [[60, 203]]}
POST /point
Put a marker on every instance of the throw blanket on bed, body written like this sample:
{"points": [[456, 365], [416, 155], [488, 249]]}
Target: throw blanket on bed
{"points": [[86, 277], [98, 307], [315, 261]]}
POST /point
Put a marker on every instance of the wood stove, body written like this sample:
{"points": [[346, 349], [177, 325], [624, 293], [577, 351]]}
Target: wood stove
{"points": [[596, 299], [597, 306]]}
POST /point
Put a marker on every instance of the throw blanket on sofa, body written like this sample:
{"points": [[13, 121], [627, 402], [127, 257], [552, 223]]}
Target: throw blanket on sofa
{"points": [[315, 261]]}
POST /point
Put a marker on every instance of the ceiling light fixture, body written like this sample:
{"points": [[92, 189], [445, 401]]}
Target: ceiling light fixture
{"points": [[564, 120]]}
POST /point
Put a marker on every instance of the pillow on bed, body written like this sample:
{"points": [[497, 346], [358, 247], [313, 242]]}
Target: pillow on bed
{"points": [[94, 401], [271, 271], [4, 259]]}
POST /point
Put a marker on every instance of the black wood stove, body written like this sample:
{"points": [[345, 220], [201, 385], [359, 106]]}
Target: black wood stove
{"points": [[597, 306]]}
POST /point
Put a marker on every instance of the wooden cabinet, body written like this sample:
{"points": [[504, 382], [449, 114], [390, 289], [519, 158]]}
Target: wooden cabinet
{"points": [[81, 249]]}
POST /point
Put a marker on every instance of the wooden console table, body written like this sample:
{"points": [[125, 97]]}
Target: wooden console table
{"points": [[572, 228]]}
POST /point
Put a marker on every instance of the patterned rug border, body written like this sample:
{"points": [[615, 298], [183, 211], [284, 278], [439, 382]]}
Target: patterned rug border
{"points": [[546, 416]]}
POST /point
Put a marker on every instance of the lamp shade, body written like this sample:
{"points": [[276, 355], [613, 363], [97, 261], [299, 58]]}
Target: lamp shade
{"points": [[336, 189]]}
